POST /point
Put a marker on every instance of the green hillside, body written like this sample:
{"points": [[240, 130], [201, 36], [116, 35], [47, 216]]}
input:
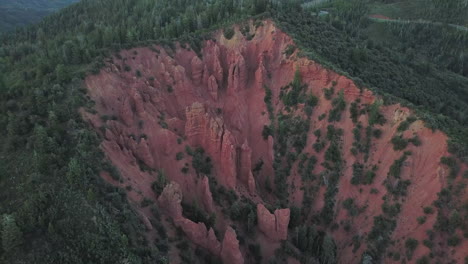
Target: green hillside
{"points": [[55, 208], [23, 12]]}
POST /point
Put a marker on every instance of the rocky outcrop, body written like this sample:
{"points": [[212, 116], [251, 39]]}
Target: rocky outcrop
{"points": [[274, 226], [198, 234], [203, 129], [170, 200], [216, 101], [237, 77], [126, 112], [197, 70], [230, 252], [206, 195], [246, 167], [213, 87], [143, 152]]}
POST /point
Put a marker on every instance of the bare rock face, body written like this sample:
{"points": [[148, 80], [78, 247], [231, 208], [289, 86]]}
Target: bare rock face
{"points": [[143, 152], [197, 70], [206, 198], [230, 252], [216, 101], [202, 129], [246, 167], [213, 87], [274, 226], [170, 200], [237, 77], [126, 112], [198, 233]]}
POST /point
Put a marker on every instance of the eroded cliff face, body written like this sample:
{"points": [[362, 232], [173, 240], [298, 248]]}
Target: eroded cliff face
{"points": [[155, 105]]}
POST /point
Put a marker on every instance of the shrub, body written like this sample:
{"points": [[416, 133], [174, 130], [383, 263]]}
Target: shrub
{"points": [[329, 92], [377, 133], [428, 243], [375, 117], [322, 116], [267, 131], [421, 219], [399, 143], [289, 50], [410, 245], [354, 112], [403, 126], [453, 241], [229, 33], [339, 104], [158, 185], [428, 210], [415, 141], [179, 155], [423, 260], [200, 162], [145, 202]]}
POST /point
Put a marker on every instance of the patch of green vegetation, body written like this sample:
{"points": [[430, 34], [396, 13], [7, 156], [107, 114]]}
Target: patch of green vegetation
{"points": [[289, 50], [339, 105], [200, 162], [292, 98], [179, 155], [229, 32], [399, 143], [410, 245]]}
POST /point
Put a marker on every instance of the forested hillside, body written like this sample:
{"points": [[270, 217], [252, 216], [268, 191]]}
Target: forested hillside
{"points": [[453, 12], [24, 12], [54, 206]]}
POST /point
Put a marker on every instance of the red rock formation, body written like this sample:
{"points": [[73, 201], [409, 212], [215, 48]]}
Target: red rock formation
{"points": [[246, 167], [170, 200], [206, 195], [274, 226], [216, 101], [230, 252], [198, 233], [213, 87], [197, 70]]}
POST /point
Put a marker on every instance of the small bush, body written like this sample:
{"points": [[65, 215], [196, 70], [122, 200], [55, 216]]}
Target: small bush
{"points": [[290, 50], [428, 210], [266, 132], [428, 243], [421, 219], [229, 33], [423, 260], [415, 141], [377, 133], [410, 245], [146, 202], [399, 143], [179, 155], [453, 241], [328, 92]]}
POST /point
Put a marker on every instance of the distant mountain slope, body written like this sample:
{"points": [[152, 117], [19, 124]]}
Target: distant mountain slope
{"points": [[24, 12]]}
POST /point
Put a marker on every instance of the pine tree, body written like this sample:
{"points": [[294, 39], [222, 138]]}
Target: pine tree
{"points": [[12, 236]]}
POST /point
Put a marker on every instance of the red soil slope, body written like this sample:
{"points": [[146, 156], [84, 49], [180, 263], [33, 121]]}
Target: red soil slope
{"points": [[216, 101]]}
